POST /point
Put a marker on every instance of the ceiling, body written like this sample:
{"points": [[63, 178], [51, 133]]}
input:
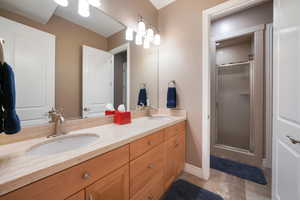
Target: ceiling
{"points": [[42, 10], [98, 21], [37, 10], [161, 3]]}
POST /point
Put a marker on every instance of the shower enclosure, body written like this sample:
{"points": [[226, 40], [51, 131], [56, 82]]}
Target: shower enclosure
{"points": [[237, 97]]}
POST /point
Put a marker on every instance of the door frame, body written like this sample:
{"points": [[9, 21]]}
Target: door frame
{"points": [[221, 10], [119, 49]]}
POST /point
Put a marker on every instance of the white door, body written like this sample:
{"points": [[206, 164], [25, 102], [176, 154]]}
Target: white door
{"points": [[31, 54], [286, 116], [97, 81]]}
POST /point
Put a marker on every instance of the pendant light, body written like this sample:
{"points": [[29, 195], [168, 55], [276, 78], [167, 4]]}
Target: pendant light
{"points": [[156, 39], [63, 3], [95, 3], [129, 34], [84, 8], [141, 27], [150, 34], [138, 39]]}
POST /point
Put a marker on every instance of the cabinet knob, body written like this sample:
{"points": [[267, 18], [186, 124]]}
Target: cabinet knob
{"points": [[151, 166], [86, 175], [150, 142], [150, 197]]}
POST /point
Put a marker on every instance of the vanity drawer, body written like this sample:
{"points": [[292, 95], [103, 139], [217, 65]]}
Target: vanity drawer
{"points": [[68, 182], [144, 168], [175, 130], [152, 191], [143, 145]]}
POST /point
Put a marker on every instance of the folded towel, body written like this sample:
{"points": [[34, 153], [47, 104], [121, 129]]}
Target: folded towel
{"points": [[10, 119], [171, 99], [1, 99], [142, 101]]}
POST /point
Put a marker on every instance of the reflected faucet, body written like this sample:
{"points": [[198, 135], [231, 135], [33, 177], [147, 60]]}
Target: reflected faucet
{"points": [[58, 119]]}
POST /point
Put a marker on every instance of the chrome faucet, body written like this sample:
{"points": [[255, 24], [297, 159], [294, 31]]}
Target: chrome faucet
{"points": [[58, 119]]}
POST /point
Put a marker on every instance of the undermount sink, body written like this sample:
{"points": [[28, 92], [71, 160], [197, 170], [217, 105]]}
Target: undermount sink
{"points": [[62, 144]]}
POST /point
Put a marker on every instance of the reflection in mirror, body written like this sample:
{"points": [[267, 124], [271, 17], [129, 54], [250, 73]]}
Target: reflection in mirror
{"points": [[74, 64]]}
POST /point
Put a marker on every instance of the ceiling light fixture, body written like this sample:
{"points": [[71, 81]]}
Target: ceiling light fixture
{"points": [[129, 34], [156, 39], [63, 3], [84, 8]]}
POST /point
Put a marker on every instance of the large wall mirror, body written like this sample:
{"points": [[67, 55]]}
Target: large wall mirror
{"points": [[71, 63]]}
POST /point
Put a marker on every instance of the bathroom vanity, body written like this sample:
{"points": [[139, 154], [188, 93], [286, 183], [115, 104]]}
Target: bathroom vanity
{"points": [[136, 161]]}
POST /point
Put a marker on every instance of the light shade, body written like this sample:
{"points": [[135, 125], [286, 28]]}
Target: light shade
{"points": [[95, 3], [150, 33], [156, 39], [129, 34], [63, 3], [141, 28], [83, 8], [146, 43], [138, 39]]}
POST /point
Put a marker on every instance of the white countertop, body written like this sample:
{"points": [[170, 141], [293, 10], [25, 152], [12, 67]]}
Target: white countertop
{"points": [[18, 169]]}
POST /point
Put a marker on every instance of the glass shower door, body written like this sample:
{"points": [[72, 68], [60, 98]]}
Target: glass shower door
{"points": [[233, 105]]}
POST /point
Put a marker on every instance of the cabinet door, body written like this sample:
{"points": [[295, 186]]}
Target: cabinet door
{"points": [[77, 196], [170, 162], [115, 186], [179, 149]]}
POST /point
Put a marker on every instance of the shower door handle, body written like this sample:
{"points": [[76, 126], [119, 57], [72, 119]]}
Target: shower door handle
{"points": [[294, 141]]}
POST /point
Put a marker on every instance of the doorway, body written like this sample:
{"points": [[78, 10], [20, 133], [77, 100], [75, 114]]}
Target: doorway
{"points": [[226, 9]]}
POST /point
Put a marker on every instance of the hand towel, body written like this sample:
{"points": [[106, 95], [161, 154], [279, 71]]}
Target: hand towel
{"points": [[171, 97], [1, 99], [142, 101], [11, 120]]}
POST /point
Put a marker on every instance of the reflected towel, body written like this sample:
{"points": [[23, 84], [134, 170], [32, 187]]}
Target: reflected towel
{"points": [[142, 101], [10, 119], [1, 99], [171, 99]]}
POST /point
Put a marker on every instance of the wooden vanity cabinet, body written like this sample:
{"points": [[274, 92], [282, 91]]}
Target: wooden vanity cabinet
{"points": [[78, 196], [115, 186], [141, 170], [174, 153]]}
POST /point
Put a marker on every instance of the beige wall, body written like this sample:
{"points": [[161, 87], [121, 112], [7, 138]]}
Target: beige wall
{"points": [[262, 14], [68, 58], [180, 59]]}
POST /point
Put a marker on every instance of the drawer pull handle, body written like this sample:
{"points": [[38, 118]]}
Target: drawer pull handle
{"points": [[150, 142], [151, 166], [86, 175], [91, 197]]}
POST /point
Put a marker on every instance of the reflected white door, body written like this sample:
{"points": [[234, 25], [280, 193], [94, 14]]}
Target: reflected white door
{"points": [[31, 53], [286, 117], [97, 81]]}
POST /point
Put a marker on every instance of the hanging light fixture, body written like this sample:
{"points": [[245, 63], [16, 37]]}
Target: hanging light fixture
{"points": [[138, 39], [63, 3], [84, 8], [150, 34], [129, 34], [141, 27], [146, 43], [95, 3], [156, 39]]}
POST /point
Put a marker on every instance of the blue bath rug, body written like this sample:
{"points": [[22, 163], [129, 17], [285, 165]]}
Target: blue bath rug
{"points": [[182, 190], [244, 171]]}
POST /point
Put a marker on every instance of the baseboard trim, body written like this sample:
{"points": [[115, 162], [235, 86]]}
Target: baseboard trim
{"points": [[194, 170]]}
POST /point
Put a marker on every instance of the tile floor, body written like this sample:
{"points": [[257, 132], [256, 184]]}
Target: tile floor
{"points": [[231, 187]]}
